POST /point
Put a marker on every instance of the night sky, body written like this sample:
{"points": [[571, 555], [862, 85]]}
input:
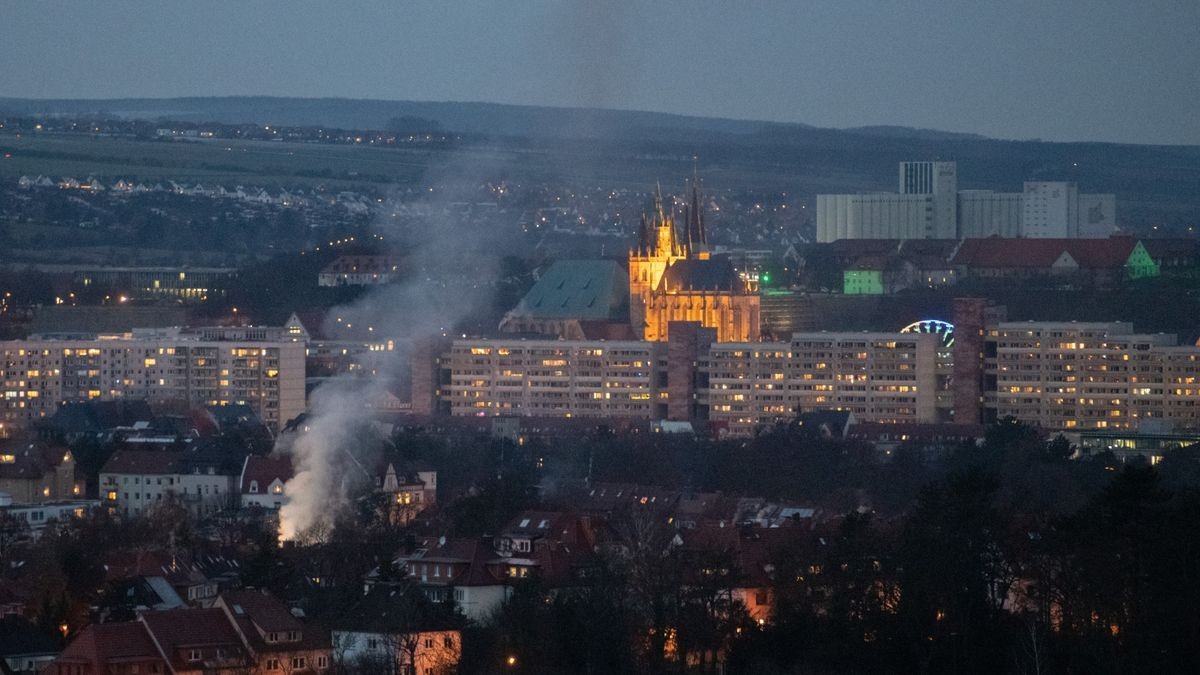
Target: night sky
{"points": [[1098, 70]]}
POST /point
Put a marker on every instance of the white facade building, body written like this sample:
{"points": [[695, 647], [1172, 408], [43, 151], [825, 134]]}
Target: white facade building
{"points": [[930, 206]]}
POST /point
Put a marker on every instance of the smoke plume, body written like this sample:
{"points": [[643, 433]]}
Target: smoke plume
{"points": [[335, 451]]}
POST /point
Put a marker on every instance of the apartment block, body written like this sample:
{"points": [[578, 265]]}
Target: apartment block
{"points": [[556, 378], [156, 365], [737, 387], [1067, 376], [879, 377]]}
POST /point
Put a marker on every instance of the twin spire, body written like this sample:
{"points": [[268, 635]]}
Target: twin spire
{"points": [[695, 228]]}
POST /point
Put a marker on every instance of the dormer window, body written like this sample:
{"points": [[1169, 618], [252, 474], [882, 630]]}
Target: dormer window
{"points": [[253, 487], [193, 655], [293, 636], [272, 637]]}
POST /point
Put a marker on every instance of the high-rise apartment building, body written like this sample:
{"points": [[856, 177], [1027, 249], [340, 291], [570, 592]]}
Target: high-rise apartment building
{"points": [[1062, 376], [738, 387], [1069, 375], [879, 377], [555, 378], [163, 365]]}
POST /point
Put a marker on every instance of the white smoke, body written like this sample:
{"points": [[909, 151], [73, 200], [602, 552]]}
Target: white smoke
{"points": [[328, 456], [333, 452]]}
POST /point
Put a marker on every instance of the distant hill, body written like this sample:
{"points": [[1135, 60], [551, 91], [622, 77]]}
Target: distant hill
{"points": [[1155, 185], [472, 118]]}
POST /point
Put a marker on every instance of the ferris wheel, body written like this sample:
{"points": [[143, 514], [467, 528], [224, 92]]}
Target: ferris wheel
{"points": [[935, 326]]}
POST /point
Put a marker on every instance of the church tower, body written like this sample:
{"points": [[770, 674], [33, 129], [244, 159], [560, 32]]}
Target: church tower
{"points": [[675, 277], [658, 247]]}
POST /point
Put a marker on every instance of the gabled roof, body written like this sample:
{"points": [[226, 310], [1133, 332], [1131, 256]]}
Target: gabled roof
{"points": [[102, 643], [266, 612], [175, 630], [1042, 253], [265, 470], [31, 459], [143, 462], [471, 559], [554, 525], [577, 289], [75, 417]]}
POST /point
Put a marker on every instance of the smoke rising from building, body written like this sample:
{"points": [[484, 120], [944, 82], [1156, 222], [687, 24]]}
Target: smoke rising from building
{"points": [[337, 444]]}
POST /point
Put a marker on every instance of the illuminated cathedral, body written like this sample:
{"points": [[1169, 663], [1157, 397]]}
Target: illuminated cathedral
{"points": [[674, 276]]}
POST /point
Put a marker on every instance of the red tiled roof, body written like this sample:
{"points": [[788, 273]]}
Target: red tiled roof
{"points": [[142, 461], [178, 629], [267, 612], [265, 470], [1038, 253], [471, 560], [103, 642]]}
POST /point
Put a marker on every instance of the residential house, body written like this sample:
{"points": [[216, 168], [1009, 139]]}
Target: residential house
{"points": [[38, 471], [40, 514], [110, 649], [200, 641], [411, 487], [468, 571], [395, 630], [278, 641], [25, 649], [263, 479], [204, 479], [194, 579]]}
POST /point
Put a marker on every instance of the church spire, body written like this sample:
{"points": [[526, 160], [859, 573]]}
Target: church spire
{"points": [[697, 233]]}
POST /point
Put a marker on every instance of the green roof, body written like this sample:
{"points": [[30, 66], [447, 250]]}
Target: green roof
{"points": [[590, 290]]}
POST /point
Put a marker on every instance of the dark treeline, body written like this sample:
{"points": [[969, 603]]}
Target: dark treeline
{"points": [[1002, 557]]}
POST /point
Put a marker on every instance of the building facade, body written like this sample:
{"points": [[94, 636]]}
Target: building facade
{"points": [[930, 206], [158, 366], [1062, 376], [555, 378], [1076, 376], [736, 387], [879, 377]]}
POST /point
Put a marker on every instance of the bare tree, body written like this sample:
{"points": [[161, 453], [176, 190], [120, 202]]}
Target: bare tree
{"points": [[1030, 652]]}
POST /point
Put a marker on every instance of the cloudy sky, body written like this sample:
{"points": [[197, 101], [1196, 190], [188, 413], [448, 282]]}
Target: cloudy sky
{"points": [[1104, 70]]}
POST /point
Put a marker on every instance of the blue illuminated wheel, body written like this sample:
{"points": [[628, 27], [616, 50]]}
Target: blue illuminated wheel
{"points": [[935, 326]]}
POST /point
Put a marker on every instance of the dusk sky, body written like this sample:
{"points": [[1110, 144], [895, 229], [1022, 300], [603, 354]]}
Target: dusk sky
{"points": [[1102, 70]]}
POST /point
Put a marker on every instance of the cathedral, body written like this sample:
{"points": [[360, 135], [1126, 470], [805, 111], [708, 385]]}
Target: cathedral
{"points": [[674, 276]]}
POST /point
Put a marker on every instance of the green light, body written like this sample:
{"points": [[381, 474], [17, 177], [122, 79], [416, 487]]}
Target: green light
{"points": [[766, 277]]}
